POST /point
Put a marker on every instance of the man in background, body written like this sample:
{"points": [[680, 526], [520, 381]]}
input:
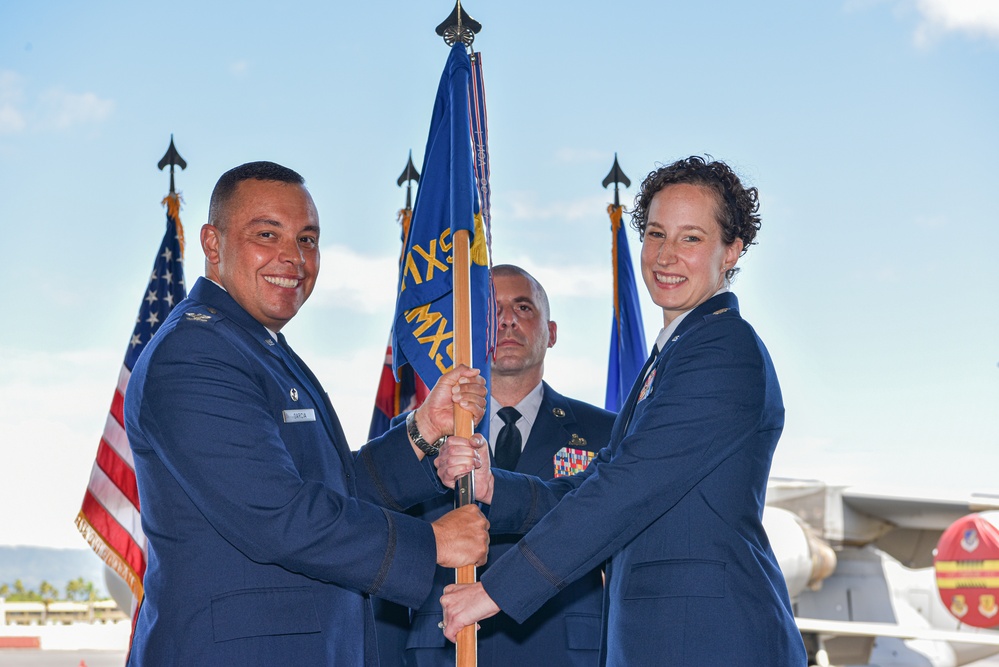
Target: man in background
{"points": [[533, 430]]}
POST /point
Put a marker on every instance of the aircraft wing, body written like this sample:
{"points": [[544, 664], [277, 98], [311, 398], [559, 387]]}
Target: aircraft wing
{"points": [[916, 523], [870, 629], [905, 526]]}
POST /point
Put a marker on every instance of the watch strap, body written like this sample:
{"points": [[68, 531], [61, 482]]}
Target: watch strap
{"points": [[418, 439]]}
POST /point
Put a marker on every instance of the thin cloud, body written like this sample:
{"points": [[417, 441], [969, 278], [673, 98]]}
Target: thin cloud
{"points": [[526, 206], [564, 282], [571, 155], [55, 405], [53, 109], [62, 110], [11, 96], [352, 281], [976, 18]]}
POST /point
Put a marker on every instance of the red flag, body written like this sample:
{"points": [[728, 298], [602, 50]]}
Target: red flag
{"points": [[408, 393]]}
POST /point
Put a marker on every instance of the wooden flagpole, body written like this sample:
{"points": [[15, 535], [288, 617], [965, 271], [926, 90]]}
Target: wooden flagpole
{"points": [[467, 640]]}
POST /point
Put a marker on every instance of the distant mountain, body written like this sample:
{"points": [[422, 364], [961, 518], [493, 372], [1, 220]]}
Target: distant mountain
{"points": [[32, 565]]}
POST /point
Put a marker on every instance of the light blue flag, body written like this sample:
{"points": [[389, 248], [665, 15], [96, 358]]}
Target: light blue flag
{"points": [[627, 347]]}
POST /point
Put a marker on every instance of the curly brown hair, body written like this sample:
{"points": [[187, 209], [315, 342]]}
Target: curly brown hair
{"points": [[737, 208]]}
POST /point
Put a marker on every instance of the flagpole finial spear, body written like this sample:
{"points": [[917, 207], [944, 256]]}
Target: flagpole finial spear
{"points": [[458, 27], [409, 176], [616, 176], [172, 158]]}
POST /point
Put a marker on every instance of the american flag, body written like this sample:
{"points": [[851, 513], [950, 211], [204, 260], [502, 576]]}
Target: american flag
{"points": [[109, 519]]}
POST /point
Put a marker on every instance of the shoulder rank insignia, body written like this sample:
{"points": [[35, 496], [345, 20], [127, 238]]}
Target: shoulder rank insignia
{"points": [[722, 310], [197, 317], [569, 461]]}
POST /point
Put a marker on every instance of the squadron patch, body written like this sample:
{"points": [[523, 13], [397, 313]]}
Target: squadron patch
{"points": [[987, 606], [569, 461], [197, 317], [958, 606], [969, 540]]}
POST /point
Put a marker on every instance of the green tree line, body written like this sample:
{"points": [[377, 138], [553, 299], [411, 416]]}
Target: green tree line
{"points": [[76, 590]]}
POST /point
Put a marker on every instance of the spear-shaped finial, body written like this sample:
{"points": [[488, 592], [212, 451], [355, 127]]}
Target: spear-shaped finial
{"points": [[458, 27], [616, 176], [409, 176], [172, 158]]}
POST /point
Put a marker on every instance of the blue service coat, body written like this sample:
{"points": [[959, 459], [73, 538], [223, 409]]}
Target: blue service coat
{"points": [[266, 534], [565, 632], [675, 501]]}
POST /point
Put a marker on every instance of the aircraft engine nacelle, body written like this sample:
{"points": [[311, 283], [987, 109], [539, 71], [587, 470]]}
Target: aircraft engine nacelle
{"points": [[967, 569], [804, 558]]}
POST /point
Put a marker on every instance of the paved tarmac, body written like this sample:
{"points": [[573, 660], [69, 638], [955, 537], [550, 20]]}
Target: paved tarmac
{"points": [[36, 658]]}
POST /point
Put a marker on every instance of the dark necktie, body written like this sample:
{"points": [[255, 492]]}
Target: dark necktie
{"points": [[508, 441]]}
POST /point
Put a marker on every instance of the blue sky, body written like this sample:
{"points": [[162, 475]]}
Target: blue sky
{"points": [[869, 127]]}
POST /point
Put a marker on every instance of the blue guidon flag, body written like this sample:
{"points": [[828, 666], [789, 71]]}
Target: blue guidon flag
{"points": [[448, 200], [627, 347]]}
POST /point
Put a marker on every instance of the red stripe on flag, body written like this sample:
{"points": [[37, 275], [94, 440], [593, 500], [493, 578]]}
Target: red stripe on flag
{"points": [[118, 471], [117, 408], [114, 536]]}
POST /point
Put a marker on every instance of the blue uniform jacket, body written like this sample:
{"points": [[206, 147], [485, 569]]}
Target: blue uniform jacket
{"points": [[266, 534], [566, 631], [675, 501]]}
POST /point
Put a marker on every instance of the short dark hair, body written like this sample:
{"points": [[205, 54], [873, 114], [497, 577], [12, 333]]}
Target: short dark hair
{"points": [[226, 186], [737, 206], [512, 269]]}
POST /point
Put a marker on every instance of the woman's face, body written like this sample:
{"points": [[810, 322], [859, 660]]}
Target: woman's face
{"points": [[684, 258]]}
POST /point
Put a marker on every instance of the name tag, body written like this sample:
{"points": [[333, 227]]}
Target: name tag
{"points": [[292, 416]]}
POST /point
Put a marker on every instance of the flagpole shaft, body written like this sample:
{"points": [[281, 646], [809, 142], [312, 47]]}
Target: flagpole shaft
{"points": [[467, 647]]}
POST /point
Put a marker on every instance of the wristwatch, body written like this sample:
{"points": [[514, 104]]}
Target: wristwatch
{"points": [[414, 433]]}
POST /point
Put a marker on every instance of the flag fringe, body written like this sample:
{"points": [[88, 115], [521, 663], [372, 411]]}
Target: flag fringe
{"points": [[405, 218], [173, 201], [110, 556], [615, 217]]}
